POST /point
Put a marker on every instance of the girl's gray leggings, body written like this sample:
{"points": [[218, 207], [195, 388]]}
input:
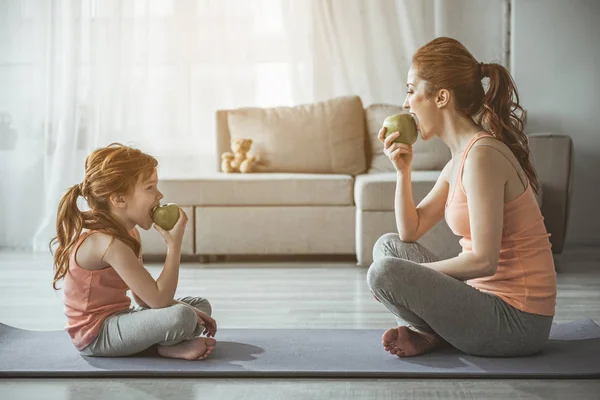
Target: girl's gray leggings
{"points": [[474, 322], [132, 331]]}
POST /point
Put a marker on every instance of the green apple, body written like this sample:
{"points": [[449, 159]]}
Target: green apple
{"points": [[403, 123], [166, 215]]}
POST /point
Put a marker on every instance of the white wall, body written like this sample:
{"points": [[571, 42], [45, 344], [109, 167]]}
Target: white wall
{"points": [[555, 61]]}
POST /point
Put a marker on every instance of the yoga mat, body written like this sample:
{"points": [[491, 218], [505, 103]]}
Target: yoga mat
{"points": [[573, 351]]}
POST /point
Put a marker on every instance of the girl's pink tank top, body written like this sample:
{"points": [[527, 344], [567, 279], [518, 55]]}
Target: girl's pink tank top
{"points": [[90, 297]]}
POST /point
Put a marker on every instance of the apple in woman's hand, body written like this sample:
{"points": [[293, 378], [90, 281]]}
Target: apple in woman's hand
{"points": [[403, 123], [166, 215]]}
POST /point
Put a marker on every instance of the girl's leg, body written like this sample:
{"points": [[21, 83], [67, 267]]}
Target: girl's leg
{"points": [[129, 333], [472, 321], [198, 302]]}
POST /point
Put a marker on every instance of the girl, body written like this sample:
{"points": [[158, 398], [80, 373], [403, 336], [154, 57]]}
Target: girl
{"points": [[99, 256], [497, 297]]}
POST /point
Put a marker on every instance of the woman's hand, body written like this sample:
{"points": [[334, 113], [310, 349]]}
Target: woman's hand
{"points": [[174, 237], [210, 325], [400, 154]]}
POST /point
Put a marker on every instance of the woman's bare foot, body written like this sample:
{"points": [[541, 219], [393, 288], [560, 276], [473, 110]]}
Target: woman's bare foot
{"points": [[194, 349], [404, 342]]}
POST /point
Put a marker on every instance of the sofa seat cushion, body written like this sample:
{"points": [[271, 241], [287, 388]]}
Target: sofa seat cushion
{"points": [[258, 189], [376, 192]]}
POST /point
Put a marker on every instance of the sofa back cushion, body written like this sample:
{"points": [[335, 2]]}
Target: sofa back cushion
{"points": [[323, 137], [432, 154]]}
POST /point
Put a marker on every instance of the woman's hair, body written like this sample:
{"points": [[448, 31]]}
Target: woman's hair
{"points": [[112, 170], [444, 63]]}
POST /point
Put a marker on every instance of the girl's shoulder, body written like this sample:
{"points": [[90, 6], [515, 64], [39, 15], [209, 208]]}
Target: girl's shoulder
{"points": [[90, 252]]}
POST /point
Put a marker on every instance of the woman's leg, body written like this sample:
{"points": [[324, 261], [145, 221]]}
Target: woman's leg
{"points": [[129, 333], [390, 245], [472, 321]]}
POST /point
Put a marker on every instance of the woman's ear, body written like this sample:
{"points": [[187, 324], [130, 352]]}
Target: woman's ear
{"points": [[443, 98]]}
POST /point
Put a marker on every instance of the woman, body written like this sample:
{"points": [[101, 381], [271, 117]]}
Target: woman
{"points": [[497, 297]]}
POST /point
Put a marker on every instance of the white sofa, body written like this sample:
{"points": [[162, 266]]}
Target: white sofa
{"points": [[327, 188]]}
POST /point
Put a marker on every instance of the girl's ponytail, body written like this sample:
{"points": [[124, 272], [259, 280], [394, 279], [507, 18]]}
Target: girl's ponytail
{"points": [[69, 224]]}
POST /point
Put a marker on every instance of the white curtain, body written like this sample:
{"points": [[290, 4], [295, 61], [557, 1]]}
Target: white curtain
{"points": [[79, 74]]}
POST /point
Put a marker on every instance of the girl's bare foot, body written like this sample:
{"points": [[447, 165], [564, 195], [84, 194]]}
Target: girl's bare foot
{"points": [[194, 349], [404, 342]]}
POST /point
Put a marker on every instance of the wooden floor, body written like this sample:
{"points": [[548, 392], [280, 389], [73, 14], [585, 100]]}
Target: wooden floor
{"points": [[280, 295]]}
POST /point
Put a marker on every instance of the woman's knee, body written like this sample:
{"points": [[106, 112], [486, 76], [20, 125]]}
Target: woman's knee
{"points": [[385, 272], [385, 240]]}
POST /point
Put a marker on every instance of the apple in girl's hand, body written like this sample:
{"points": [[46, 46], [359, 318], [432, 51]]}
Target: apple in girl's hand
{"points": [[166, 215], [403, 123]]}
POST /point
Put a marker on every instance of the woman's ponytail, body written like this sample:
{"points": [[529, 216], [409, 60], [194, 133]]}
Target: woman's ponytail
{"points": [[502, 115]]}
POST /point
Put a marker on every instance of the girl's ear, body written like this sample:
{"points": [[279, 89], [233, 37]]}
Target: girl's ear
{"points": [[118, 201]]}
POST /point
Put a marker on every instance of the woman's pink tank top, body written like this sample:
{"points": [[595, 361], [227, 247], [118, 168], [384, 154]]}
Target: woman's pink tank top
{"points": [[525, 277], [90, 297]]}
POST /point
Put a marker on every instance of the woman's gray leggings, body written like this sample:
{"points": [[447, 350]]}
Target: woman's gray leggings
{"points": [[132, 331], [474, 322]]}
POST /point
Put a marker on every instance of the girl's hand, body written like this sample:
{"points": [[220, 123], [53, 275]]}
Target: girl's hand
{"points": [[210, 325], [400, 154], [174, 237]]}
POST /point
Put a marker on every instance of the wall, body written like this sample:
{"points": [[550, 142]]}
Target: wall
{"points": [[555, 60]]}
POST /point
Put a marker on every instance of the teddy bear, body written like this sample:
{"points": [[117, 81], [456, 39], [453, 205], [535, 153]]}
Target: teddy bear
{"points": [[239, 160]]}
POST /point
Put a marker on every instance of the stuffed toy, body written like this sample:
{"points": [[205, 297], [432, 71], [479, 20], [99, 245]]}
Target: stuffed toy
{"points": [[239, 160]]}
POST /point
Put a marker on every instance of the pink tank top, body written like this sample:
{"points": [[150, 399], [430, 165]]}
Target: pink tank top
{"points": [[525, 277], [90, 297]]}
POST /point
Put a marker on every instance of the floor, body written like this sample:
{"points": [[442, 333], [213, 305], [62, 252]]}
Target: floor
{"points": [[281, 294]]}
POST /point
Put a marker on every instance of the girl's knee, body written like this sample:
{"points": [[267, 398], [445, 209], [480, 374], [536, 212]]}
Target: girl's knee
{"points": [[204, 306], [184, 316]]}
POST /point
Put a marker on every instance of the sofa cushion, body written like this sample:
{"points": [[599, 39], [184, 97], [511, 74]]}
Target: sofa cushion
{"points": [[323, 137], [260, 189], [376, 192], [427, 155]]}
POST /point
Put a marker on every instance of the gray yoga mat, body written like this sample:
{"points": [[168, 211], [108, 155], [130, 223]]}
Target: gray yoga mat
{"points": [[573, 351]]}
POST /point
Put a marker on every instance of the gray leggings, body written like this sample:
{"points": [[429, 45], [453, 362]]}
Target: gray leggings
{"points": [[132, 331], [474, 322]]}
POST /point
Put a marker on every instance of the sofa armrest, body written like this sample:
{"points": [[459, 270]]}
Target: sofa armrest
{"points": [[552, 156]]}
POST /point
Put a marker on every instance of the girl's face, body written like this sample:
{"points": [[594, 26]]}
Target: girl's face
{"points": [[144, 198], [421, 106]]}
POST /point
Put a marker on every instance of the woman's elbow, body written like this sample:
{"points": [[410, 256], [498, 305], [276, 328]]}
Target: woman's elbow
{"points": [[489, 267]]}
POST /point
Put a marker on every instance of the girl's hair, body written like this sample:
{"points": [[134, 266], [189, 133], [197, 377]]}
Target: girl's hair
{"points": [[112, 170], [444, 63]]}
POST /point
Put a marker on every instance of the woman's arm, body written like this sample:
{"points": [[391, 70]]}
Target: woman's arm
{"points": [[484, 178], [413, 222]]}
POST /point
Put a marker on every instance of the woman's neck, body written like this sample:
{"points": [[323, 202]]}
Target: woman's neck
{"points": [[457, 132]]}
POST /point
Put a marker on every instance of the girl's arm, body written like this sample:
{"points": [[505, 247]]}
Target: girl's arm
{"points": [[136, 234], [157, 293], [484, 178], [154, 293]]}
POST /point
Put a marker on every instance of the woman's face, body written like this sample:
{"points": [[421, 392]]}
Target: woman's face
{"points": [[421, 106]]}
